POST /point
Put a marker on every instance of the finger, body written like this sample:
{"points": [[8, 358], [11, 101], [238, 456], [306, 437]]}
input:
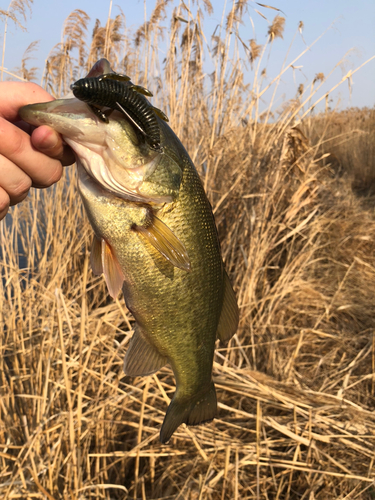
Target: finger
{"points": [[49, 142], [14, 95], [14, 181], [4, 203], [18, 149]]}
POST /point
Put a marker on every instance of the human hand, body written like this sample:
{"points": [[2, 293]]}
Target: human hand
{"points": [[29, 157]]}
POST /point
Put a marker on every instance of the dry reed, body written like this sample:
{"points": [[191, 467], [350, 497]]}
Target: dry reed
{"points": [[297, 383]]}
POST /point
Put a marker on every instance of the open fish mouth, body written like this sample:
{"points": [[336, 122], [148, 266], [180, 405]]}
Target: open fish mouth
{"points": [[111, 153]]}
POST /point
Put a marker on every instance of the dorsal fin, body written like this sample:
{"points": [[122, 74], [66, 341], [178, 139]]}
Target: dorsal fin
{"points": [[229, 318]]}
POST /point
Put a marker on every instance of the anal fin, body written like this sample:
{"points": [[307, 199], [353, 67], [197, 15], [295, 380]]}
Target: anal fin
{"points": [[229, 317], [142, 358]]}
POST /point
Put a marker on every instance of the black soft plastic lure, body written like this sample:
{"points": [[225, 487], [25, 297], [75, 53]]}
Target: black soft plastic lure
{"points": [[115, 91]]}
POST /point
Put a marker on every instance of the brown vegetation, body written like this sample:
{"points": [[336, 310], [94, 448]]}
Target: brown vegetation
{"points": [[294, 204]]}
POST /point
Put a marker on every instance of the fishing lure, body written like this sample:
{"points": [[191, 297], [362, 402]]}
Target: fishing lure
{"points": [[115, 91]]}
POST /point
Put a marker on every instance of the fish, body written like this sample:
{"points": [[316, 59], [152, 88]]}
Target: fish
{"points": [[155, 238]]}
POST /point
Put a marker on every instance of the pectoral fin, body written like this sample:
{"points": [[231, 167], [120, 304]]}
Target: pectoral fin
{"points": [[229, 317], [142, 358], [104, 261], [162, 238]]}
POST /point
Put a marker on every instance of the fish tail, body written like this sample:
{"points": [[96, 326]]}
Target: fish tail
{"points": [[193, 411]]}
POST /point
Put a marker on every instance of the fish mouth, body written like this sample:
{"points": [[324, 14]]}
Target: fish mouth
{"points": [[123, 183], [59, 114], [67, 108], [98, 147], [111, 153]]}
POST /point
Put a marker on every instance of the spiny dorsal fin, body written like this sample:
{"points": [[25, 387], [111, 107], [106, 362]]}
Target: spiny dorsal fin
{"points": [[142, 358], [162, 238], [229, 316]]}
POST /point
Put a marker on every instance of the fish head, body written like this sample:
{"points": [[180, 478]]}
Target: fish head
{"points": [[113, 154]]}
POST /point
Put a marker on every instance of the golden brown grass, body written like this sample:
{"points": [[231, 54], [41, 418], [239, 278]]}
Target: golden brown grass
{"points": [[296, 386]]}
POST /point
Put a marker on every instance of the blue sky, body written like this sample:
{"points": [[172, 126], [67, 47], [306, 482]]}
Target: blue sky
{"points": [[352, 30]]}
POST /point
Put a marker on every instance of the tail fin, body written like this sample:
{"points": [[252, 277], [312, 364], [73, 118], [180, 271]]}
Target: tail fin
{"points": [[193, 411]]}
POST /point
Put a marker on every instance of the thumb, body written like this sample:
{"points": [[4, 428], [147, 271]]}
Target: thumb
{"points": [[49, 142]]}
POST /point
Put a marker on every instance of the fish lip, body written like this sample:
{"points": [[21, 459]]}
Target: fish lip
{"points": [[37, 111]]}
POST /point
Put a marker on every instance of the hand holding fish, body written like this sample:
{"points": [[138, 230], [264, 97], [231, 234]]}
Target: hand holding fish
{"points": [[28, 157]]}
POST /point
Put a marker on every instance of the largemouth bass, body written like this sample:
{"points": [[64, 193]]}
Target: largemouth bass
{"points": [[155, 237]]}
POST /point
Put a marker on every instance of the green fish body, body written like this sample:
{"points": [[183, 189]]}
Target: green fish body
{"points": [[155, 237]]}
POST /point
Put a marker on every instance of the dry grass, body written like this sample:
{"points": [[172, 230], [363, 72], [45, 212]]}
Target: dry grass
{"points": [[297, 383]]}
